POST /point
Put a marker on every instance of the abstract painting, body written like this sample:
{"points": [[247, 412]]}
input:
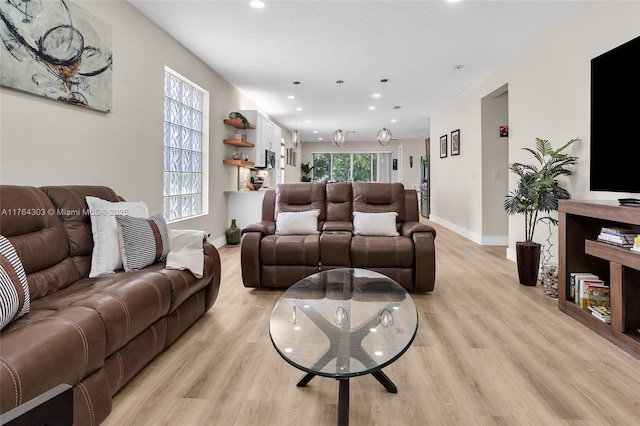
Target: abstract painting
{"points": [[56, 49]]}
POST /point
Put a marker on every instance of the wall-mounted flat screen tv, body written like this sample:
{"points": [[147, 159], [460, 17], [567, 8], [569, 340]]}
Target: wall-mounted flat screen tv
{"points": [[615, 115]]}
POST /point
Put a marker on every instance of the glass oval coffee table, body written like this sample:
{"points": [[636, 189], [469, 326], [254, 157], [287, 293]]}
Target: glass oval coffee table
{"points": [[343, 323]]}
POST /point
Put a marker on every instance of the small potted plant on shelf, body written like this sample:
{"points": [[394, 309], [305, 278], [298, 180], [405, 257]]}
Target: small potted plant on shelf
{"points": [[306, 170], [536, 195]]}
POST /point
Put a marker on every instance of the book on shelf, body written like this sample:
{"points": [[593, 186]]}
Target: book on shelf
{"points": [[616, 241], [612, 230], [574, 284], [584, 284], [597, 293], [601, 312]]}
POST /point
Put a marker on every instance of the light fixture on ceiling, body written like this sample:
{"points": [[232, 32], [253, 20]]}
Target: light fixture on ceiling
{"points": [[295, 135], [384, 135], [257, 4], [339, 137]]}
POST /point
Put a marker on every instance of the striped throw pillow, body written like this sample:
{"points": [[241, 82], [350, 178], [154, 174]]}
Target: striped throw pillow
{"points": [[15, 300], [143, 241]]}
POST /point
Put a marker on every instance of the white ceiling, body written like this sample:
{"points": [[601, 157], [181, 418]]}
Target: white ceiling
{"points": [[414, 44]]}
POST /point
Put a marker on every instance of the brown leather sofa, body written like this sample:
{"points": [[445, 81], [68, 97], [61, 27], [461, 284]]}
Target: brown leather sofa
{"points": [[278, 261], [95, 334]]}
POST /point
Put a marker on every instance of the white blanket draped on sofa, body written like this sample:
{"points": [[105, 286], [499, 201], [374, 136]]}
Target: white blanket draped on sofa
{"points": [[186, 250]]}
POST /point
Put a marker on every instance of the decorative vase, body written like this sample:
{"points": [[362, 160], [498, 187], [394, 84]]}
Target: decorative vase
{"points": [[528, 259], [233, 234], [549, 279]]}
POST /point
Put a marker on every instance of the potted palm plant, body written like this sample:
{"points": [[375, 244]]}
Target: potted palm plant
{"points": [[536, 195]]}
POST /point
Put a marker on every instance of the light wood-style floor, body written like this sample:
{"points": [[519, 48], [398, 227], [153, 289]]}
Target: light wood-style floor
{"points": [[489, 351]]}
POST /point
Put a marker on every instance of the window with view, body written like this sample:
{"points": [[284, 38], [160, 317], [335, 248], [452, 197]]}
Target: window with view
{"points": [[185, 124], [352, 167]]}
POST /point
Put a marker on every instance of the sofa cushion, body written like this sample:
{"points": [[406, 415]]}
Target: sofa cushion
{"points": [[128, 302], [30, 222], [105, 258], [142, 241], [339, 202], [71, 207], [290, 250], [377, 224], [372, 197], [14, 290], [48, 347], [381, 252], [297, 223], [297, 197]]}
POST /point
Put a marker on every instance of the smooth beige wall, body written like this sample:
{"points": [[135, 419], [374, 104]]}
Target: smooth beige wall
{"points": [[45, 142], [548, 97]]}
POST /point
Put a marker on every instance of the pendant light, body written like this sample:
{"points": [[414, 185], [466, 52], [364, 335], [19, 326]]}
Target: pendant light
{"points": [[295, 135], [339, 136], [384, 135]]}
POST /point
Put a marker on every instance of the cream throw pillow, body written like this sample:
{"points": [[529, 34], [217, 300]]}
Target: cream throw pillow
{"points": [[375, 224], [297, 223], [105, 258]]}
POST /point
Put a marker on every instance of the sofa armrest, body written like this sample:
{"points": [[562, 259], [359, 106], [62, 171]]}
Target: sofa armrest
{"points": [[409, 228], [334, 226], [250, 259], [213, 288], [425, 267], [264, 228]]}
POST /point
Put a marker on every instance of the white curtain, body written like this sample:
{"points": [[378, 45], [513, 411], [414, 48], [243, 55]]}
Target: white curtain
{"points": [[384, 167]]}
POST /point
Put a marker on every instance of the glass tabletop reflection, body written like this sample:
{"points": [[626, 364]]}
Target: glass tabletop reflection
{"points": [[343, 323]]}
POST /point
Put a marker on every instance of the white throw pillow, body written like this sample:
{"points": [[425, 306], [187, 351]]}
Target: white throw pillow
{"points": [[375, 224], [106, 258], [297, 223]]}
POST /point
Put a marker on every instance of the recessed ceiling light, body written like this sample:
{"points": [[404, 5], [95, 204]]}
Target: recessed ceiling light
{"points": [[308, 121], [291, 97], [315, 131], [393, 120], [372, 107], [257, 4], [298, 109], [376, 95], [319, 139]]}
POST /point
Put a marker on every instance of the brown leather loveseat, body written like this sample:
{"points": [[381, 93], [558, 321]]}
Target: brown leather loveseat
{"points": [[94, 334], [272, 260]]}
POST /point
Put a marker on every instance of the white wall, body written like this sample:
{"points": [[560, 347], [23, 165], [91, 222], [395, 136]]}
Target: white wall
{"points": [[46, 142], [548, 83], [410, 147]]}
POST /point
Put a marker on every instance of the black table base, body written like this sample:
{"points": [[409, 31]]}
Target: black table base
{"points": [[343, 392]]}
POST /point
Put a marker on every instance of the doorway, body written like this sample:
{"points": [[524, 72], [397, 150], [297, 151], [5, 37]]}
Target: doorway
{"points": [[495, 166]]}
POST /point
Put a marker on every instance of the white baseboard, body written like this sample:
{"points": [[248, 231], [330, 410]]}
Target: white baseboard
{"points": [[219, 242], [476, 238]]}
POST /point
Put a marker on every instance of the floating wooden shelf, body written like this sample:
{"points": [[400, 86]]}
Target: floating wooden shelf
{"points": [[237, 123], [238, 142], [238, 162]]}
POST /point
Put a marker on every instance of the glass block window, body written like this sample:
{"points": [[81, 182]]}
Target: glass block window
{"points": [[183, 148]]}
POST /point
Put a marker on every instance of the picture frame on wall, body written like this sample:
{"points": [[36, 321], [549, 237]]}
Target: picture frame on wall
{"points": [[443, 146], [455, 142]]}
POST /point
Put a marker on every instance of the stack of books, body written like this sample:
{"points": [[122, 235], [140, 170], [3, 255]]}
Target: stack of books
{"points": [[587, 289], [617, 236], [603, 313]]}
